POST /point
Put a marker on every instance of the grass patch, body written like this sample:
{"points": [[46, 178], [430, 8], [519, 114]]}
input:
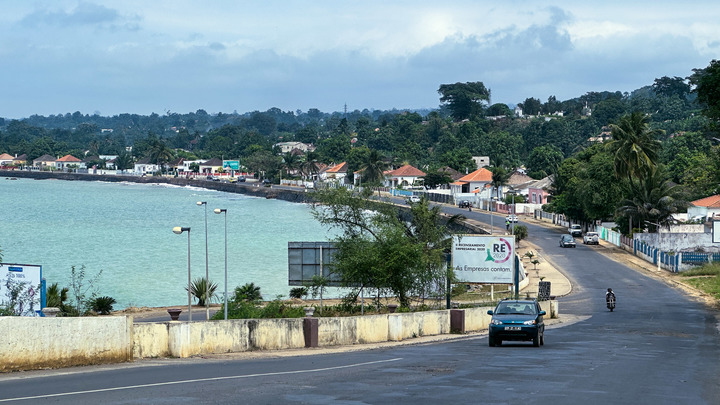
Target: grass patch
{"points": [[710, 285], [705, 278], [706, 270]]}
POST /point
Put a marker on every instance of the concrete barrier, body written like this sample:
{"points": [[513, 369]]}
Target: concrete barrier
{"points": [[32, 343], [35, 343]]}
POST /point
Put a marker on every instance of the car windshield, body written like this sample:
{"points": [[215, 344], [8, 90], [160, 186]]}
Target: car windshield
{"points": [[515, 308]]}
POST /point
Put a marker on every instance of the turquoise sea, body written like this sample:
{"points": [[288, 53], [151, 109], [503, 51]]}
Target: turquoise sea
{"points": [[125, 230]]}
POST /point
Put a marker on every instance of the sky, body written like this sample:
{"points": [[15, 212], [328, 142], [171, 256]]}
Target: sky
{"points": [[179, 56]]}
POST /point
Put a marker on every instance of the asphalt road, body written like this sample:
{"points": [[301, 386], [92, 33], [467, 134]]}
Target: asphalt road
{"points": [[658, 347]]}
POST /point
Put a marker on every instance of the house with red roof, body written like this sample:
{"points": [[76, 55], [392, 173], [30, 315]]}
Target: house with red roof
{"points": [[706, 208], [471, 182], [6, 159], [404, 176], [68, 162], [336, 173]]}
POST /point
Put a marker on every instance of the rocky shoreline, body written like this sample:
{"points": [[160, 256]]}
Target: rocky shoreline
{"points": [[253, 189]]}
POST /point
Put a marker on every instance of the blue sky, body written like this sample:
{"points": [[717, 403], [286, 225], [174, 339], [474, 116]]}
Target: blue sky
{"points": [[130, 56]]}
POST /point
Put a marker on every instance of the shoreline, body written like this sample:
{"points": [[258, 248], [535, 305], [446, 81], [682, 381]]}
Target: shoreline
{"points": [[299, 196]]}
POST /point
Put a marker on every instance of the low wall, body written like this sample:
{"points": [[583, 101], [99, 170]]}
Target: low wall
{"points": [[183, 339], [35, 343]]}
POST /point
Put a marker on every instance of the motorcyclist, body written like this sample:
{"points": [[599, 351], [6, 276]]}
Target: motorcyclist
{"points": [[610, 298]]}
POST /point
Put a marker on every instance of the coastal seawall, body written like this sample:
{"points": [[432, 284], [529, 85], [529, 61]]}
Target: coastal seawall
{"points": [[253, 189]]}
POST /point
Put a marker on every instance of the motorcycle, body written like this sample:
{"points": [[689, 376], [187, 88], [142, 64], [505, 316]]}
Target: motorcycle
{"points": [[610, 299]]}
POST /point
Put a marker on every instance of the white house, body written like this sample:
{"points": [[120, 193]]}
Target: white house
{"points": [[286, 147], [706, 208], [404, 176], [144, 167], [69, 162]]}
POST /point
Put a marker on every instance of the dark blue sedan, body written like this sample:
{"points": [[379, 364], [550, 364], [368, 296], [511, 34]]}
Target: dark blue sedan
{"points": [[517, 320]]}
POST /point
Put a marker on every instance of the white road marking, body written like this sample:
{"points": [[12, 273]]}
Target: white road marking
{"points": [[129, 387]]}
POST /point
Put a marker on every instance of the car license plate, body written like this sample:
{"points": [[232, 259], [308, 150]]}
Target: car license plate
{"points": [[513, 328]]}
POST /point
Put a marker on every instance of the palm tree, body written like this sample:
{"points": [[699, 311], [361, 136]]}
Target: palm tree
{"points": [[248, 292], [373, 167], [123, 161], [309, 166], [654, 199], [56, 296], [160, 153], [290, 162], [500, 177], [634, 146]]}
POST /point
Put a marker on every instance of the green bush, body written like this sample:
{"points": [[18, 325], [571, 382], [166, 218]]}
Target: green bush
{"points": [[248, 292], [203, 290], [298, 292], [102, 305], [251, 310]]}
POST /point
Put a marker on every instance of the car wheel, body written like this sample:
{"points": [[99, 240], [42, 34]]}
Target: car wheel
{"points": [[491, 342], [542, 339], [536, 340]]}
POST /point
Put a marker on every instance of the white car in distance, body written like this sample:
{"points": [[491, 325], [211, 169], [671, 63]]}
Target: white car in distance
{"points": [[591, 238]]}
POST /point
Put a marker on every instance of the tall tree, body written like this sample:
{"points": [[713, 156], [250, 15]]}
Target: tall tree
{"points": [[652, 200], [707, 87], [373, 168], [544, 160], [160, 153], [378, 248], [671, 86], [500, 177], [290, 162], [634, 146], [464, 99]]}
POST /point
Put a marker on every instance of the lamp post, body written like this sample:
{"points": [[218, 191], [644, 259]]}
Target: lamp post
{"points": [[178, 230], [491, 214], [220, 211], [512, 227], [207, 270], [659, 229]]}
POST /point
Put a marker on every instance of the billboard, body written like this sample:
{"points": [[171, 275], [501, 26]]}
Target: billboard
{"points": [[231, 164], [484, 258], [20, 288], [308, 259]]}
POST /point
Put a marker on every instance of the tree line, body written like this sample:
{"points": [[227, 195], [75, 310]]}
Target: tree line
{"points": [[555, 137]]}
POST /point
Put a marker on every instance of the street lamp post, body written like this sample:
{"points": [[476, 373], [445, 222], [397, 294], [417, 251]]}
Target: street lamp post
{"points": [[220, 211], [178, 230], [513, 213], [491, 214], [207, 269], [659, 231]]}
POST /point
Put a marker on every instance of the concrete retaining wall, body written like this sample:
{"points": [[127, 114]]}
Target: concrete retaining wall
{"points": [[35, 343], [32, 343]]}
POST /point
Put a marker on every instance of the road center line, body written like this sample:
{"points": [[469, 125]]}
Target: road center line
{"points": [[63, 394]]}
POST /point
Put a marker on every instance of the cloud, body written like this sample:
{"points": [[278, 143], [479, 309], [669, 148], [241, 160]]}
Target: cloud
{"points": [[138, 56], [84, 14]]}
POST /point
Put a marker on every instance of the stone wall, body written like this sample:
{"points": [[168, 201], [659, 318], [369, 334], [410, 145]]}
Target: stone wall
{"points": [[34, 343]]}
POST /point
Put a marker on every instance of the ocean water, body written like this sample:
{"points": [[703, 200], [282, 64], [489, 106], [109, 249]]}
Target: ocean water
{"points": [[125, 230]]}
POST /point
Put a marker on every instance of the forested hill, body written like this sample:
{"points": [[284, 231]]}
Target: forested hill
{"points": [[465, 125]]}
